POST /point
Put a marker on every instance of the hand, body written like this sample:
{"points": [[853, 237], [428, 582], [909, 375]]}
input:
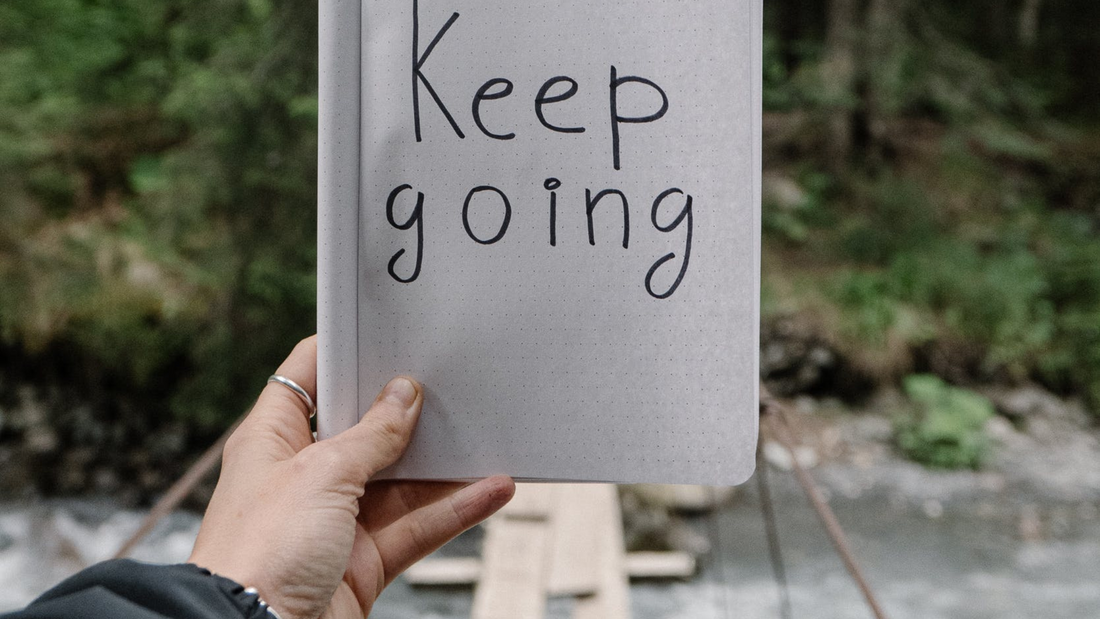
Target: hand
{"points": [[299, 521]]}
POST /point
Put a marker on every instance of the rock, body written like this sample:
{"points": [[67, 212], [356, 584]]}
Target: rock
{"points": [[804, 405], [644, 527], [151, 480], [795, 359], [782, 192], [887, 399], [932, 509], [41, 440], [30, 412], [169, 441], [71, 480], [52, 442], [1087, 511], [72, 474], [1029, 526], [873, 429], [105, 480], [86, 427], [685, 539], [831, 442], [1025, 404], [779, 457], [15, 472], [1002, 431]]}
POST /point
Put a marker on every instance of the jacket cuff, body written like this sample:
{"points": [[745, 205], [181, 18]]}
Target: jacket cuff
{"points": [[127, 589], [248, 599]]}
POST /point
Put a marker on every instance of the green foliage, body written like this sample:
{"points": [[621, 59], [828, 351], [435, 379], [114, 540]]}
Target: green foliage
{"points": [[896, 217], [994, 294], [794, 219], [870, 311], [1071, 265], [158, 178], [778, 91], [1006, 275], [945, 427], [159, 162]]}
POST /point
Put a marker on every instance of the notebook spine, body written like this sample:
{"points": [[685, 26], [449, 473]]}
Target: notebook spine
{"points": [[338, 186]]}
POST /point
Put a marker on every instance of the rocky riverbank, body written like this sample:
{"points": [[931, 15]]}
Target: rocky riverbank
{"points": [[56, 440], [1043, 471], [51, 446]]}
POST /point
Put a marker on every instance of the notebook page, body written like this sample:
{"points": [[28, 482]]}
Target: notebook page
{"points": [[558, 235]]}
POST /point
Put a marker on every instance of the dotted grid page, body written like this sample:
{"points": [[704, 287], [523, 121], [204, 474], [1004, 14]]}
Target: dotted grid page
{"points": [[563, 244]]}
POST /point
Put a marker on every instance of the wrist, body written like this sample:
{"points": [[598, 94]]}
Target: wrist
{"points": [[244, 590], [253, 596]]}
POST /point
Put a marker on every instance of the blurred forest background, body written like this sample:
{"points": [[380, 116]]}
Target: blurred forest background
{"points": [[932, 204]]}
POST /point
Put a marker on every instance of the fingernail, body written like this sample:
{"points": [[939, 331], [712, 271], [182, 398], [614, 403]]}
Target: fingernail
{"points": [[400, 391]]}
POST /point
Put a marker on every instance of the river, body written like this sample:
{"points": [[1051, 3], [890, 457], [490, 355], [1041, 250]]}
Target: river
{"points": [[934, 545]]}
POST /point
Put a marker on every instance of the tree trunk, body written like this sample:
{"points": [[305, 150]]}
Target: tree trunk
{"points": [[838, 73], [790, 32], [1028, 24], [883, 56]]}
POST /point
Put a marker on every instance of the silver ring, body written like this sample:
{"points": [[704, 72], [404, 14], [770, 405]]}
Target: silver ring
{"points": [[297, 389]]}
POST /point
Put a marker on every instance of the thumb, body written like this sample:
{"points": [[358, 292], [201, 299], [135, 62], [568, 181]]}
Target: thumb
{"points": [[381, 436]]}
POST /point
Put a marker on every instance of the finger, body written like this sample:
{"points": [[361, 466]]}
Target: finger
{"points": [[381, 436], [300, 367], [386, 501], [279, 410], [418, 534]]}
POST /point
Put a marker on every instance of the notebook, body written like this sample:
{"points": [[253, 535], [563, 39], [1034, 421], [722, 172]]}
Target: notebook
{"points": [[548, 213]]}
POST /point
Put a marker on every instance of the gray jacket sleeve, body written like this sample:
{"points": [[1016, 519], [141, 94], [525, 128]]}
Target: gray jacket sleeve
{"points": [[124, 589]]}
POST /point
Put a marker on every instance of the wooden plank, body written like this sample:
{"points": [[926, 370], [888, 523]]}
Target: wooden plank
{"points": [[612, 598], [513, 578], [448, 572], [465, 571], [574, 534], [660, 564]]}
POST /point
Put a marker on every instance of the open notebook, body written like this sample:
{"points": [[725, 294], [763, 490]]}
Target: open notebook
{"points": [[548, 213]]}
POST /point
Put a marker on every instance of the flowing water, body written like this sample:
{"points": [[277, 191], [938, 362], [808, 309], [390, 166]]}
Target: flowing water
{"points": [[944, 547]]}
